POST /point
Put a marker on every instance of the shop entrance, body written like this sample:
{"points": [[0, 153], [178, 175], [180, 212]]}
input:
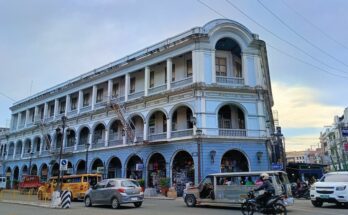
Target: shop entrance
{"points": [[156, 170], [183, 171], [55, 170], [135, 168], [16, 174], [234, 161], [24, 170], [33, 170], [44, 172], [114, 168], [81, 167], [98, 167]]}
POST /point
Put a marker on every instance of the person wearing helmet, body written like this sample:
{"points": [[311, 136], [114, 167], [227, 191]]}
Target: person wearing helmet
{"points": [[267, 187]]}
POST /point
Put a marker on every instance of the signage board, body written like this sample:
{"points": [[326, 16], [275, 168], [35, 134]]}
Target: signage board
{"points": [[345, 131], [345, 147], [63, 165], [100, 170], [139, 167], [277, 166]]}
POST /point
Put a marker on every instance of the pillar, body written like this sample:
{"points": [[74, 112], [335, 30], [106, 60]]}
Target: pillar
{"points": [[126, 91], [94, 95], [106, 138], [45, 110], [169, 127], [110, 83], [213, 69], [169, 72], [56, 103], [36, 114], [67, 104], [147, 80], [19, 120], [79, 101], [26, 117]]}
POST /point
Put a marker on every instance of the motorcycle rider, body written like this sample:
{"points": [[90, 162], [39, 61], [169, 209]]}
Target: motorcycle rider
{"points": [[267, 187]]}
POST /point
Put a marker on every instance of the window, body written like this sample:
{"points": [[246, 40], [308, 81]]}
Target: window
{"points": [[220, 66], [165, 75], [132, 85], [174, 120], [85, 99], [152, 124], [51, 109], [74, 103], [100, 95], [152, 79], [115, 90], [237, 68], [189, 68], [188, 118], [41, 112], [62, 107], [173, 72]]}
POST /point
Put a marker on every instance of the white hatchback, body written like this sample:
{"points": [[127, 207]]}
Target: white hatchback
{"points": [[332, 188]]}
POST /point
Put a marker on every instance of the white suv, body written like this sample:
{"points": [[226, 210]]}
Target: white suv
{"points": [[332, 188]]}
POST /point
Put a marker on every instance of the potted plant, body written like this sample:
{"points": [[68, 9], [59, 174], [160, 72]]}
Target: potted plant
{"points": [[15, 184], [164, 184], [142, 184]]}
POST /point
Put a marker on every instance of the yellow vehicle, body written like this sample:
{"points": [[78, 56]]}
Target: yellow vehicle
{"points": [[76, 184]]}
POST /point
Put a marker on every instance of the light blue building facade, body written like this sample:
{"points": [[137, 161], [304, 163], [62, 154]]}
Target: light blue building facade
{"points": [[199, 103]]}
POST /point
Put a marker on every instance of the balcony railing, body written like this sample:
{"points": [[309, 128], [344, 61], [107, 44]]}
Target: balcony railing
{"points": [[45, 153], [182, 133], [49, 119], [81, 147], [181, 82], [118, 99], [29, 124], [157, 89], [158, 136], [135, 95], [72, 112], [100, 104], [85, 109], [229, 80], [99, 143], [69, 149], [18, 156], [21, 126], [116, 142]]}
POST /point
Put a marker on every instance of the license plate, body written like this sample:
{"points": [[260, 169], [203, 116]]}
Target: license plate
{"points": [[134, 199], [324, 196]]}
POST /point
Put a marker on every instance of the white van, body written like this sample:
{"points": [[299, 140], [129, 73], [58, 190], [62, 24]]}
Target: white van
{"points": [[232, 188], [2, 183]]}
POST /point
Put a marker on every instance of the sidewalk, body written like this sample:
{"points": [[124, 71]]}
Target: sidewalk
{"points": [[36, 204]]}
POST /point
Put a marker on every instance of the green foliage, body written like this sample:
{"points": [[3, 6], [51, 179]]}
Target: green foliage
{"points": [[164, 182], [141, 182]]}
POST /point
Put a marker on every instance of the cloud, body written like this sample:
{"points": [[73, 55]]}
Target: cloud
{"points": [[299, 106], [302, 142]]}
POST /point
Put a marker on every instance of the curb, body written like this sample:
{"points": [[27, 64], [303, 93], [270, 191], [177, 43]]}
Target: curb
{"points": [[159, 198], [27, 203]]}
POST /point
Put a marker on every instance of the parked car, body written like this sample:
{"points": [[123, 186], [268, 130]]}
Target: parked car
{"points": [[76, 184], [2, 183], [115, 192], [332, 188], [233, 187], [29, 183]]}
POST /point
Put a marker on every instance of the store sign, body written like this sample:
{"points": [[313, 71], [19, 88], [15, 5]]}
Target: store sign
{"points": [[277, 166], [345, 146], [100, 170], [139, 167], [345, 131]]}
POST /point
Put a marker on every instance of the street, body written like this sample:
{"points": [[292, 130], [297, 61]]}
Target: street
{"points": [[159, 207]]}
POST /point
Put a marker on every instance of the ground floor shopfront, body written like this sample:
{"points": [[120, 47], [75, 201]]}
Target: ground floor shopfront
{"points": [[178, 161]]}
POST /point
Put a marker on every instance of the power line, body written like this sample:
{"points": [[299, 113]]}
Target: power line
{"points": [[299, 35], [280, 38], [315, 26], [323, 70], [4, 95]]}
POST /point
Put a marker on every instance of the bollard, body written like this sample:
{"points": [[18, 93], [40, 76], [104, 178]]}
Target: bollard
{"points": [[66, 199]]}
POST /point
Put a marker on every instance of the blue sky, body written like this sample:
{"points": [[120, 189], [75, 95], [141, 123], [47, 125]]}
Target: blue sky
{"points": [[44, 43]]}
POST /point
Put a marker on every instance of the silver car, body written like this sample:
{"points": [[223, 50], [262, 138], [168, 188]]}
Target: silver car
{"points": [[115, 192]]}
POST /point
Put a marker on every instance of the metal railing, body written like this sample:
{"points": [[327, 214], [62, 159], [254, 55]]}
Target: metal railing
{"points": [[116, 142], [98, 144], [72, 112], [81, 147], [182, 133], [45, 153], [85, 109], [229, 80], [49, 119], [181, 82], [17, 156], [157, 89], [158, 136], [100, 104], [69, 149], [135, 95]]}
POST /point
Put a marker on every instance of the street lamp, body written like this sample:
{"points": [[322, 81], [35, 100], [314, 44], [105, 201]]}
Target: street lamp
{"points": [[64, 118], [87, 144], [31, 156], [199, 139]]}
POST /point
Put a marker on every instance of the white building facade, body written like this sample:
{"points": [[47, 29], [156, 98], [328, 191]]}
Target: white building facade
{"points": [[200, 102]]}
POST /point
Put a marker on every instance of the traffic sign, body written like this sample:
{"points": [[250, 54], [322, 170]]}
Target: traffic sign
{"points": [[277, 166], [63, 165]]}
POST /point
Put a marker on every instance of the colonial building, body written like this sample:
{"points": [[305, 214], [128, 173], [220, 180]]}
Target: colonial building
{"points": [[193, 104]]}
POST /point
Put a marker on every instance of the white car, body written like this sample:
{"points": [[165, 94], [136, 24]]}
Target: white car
{"points": [[332, 188]]}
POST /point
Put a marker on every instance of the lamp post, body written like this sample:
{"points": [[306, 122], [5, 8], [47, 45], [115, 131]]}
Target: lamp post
{"points": [[87, 147], [31, 156], [199, 139], [64, 118]]}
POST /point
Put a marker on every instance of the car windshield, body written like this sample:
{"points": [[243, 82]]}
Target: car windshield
{"points": [[129, 183], [335, 178]]}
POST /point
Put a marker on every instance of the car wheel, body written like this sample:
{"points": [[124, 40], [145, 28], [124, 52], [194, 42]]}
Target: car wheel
{"points": [[115, 203], [88, 202], [137, 204], [317, 204], [190, 201]]}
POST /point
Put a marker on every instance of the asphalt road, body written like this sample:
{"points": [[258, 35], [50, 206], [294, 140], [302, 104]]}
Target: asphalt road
{"points": [[160, 207]]}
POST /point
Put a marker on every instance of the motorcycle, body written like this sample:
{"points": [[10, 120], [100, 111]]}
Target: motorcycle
{"points": [[303, 192], [275, 205]]}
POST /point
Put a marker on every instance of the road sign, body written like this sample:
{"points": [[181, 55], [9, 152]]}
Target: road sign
{"points": [[277, 166], [63, 165], [345, 131]]}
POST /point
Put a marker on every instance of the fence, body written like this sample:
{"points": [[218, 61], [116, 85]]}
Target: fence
{"points": [[17, 196]]}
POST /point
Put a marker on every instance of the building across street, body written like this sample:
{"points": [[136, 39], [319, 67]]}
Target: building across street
{"points": [[193, 104]]}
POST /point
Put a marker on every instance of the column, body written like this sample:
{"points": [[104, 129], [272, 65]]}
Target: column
{"points": [[41, 144], [45, 110], [126, 87], [147, 79], [36, 114], [26, 117], [67, 104], [169, 127], [169, 72], [19, 120], [213, 69], [23, 146], [14, 151], [145, 131], [106, 138], [90, 139], [94, 95], [110, 83], [56, 104], [79, 102]]}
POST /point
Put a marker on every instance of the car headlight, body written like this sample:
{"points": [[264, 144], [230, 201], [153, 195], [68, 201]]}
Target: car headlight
{"points": [[340, 188]]}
